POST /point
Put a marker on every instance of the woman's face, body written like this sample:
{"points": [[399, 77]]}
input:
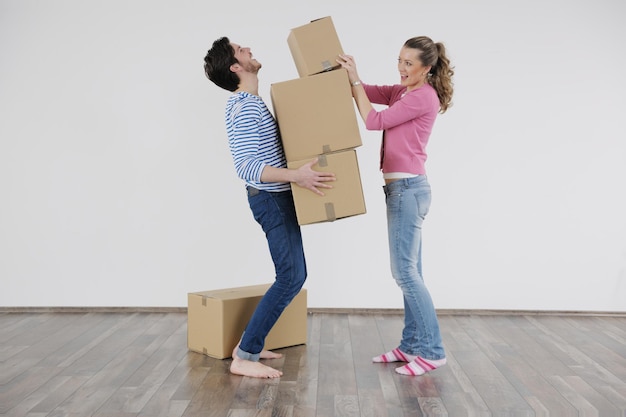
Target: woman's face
{"points": [[412, 72]]}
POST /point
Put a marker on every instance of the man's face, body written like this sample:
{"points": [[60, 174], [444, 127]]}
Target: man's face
{"points": [[244, 56]]}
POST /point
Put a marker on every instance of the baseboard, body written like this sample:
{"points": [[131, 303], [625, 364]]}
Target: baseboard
{"points": [[376, 311], [472, 312], [93, 309]]}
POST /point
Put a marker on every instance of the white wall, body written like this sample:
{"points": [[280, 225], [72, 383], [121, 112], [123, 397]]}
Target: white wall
{"points": [[118, 189]]}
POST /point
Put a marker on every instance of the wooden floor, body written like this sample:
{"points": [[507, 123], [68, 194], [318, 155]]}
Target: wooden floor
{"points": [[137, 364]]}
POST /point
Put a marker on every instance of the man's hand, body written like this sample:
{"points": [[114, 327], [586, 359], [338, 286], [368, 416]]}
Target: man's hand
{"points": [[307, 177]]}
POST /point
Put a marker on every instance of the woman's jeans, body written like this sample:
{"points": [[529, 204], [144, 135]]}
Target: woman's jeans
{"points": [[408, 202], [276, 214]]}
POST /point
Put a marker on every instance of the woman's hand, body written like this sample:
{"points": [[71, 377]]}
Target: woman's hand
{"points": [[347, 62]]}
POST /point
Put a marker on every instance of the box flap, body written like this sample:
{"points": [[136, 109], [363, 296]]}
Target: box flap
{"points": [[234, 293]]}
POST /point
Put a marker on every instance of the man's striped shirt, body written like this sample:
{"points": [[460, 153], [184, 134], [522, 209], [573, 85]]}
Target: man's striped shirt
{"points": [[254, 140]]}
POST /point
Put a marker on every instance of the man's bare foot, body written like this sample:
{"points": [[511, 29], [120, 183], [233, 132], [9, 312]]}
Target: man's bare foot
{"points": [[253, 369], [268, 354]]}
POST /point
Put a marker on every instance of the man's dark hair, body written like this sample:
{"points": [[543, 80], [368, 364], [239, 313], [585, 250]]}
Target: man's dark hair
{"points": [[217, 64]]}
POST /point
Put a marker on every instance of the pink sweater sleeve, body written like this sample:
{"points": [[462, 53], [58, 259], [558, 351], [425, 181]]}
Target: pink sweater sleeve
{"points": [[398, 112]]}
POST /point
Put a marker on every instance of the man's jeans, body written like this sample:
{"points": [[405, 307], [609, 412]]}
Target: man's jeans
{"points": [[276, 214], [408, 202]]}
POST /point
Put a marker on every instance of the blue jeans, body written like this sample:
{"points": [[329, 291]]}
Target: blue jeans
{"points": [[408, 202], [276, 214]]}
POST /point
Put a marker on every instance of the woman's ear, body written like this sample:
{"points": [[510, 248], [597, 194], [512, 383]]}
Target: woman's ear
{"points": [[235, 67]]}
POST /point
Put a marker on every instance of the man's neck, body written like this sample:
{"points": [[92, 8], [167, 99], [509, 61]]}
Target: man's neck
{"points": [[249, 85]]}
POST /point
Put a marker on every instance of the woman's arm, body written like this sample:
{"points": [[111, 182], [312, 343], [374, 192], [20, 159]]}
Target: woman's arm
{"points": [[358, 92]]}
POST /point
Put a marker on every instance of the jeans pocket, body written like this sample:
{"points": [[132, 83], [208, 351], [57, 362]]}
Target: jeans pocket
{"points": [[393, 200], [265, 211], [423, 200]]}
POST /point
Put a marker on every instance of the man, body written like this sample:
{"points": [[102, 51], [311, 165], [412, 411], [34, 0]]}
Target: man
{"points": [[260, 160]]}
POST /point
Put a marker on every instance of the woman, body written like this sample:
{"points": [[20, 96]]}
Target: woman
{"points": [[425, 90]]}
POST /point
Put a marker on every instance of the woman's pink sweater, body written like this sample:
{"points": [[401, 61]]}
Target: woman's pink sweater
{"points": [[407, 123]]}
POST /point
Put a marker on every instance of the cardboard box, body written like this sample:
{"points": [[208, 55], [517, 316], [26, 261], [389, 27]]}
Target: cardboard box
{"points": [[345, 199], [315, 47], [216, 320], [316, 115]]}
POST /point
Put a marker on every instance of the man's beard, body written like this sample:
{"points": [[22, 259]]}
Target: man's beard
{"points": [[253, 66]]}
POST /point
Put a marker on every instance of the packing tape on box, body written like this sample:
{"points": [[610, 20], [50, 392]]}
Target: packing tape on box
{"points": [[330, 212], [326, 149], [322, 161], [203, 301]]}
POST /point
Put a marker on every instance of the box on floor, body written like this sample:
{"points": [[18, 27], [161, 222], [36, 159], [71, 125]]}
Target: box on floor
{"points": [[216, 320]]}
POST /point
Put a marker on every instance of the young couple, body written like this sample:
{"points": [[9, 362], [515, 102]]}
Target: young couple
{"points": [[424, 90]]}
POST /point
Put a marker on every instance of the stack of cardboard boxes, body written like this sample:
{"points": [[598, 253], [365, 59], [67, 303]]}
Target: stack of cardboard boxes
{"points": [[317, 119]]}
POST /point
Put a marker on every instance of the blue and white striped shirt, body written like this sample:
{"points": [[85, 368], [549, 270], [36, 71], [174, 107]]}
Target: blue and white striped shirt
{"points": [[254, 140]]}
